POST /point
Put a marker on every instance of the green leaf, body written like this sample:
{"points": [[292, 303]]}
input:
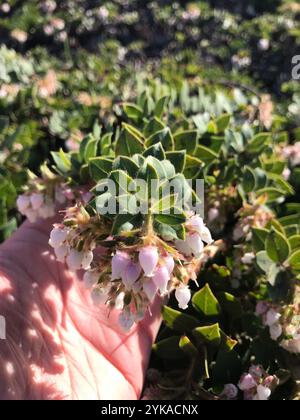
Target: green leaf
{"points": [[186, 140], [100, 168], [258, 143], [90, 150], [193, 167], [126, 164], [178, 160], [153, 126], [208, 335], [130, 142], [263, 261], [122, 181], [273, 194], [160, 106], [164, 137], [294, 261], [156, 151], [230, 305], [223, 122], [205, 154], [133, 111], [176, 217], [62, 161], [206, 303], [249, 180], [188, 347], [169, 349], [178, 321], [294, 242], [163, 205], [259, 237], [277, 247]]}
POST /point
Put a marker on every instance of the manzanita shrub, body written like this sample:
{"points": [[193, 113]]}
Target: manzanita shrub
{"points": [[234, 332]]}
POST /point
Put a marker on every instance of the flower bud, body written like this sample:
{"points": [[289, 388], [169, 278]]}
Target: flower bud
{"points": [[263, 393], [170, 264], [119, 264], [150, 289], [90, 279], [195, 243], [272, 317], [213, 214], [37, 200], [148, 258], [131, 274], [23, 203], [183, 296], [247, 382], [161, 279], [276, 331]]}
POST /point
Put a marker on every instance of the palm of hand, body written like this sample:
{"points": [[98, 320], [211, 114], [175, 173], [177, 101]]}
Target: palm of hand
{"points": [[58, 345]]}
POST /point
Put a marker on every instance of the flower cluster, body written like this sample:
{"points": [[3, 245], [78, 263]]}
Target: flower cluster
{"points": [[256, 215], [36, 205], [257, 384], [284, 324], [197, 235], [129, 277]]}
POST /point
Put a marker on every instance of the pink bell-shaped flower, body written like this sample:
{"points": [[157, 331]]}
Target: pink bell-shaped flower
{"points": [[161, 278], [148, 258]]}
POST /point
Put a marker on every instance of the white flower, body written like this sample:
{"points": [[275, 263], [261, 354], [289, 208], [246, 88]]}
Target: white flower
{"points": [[248, 258], [272, 317], [183, 296], [184, 248], [31, 215], [126, 320], [47, 211], [74, 260], [230, 391], [57, 237], [263, 393], [195, 243], [23, 203], [37, 200], [61, 253], [198, 225], [276, 331], [263, 44]]}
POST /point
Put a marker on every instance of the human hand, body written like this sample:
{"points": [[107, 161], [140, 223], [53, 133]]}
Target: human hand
{"points": [[58, 345]]}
